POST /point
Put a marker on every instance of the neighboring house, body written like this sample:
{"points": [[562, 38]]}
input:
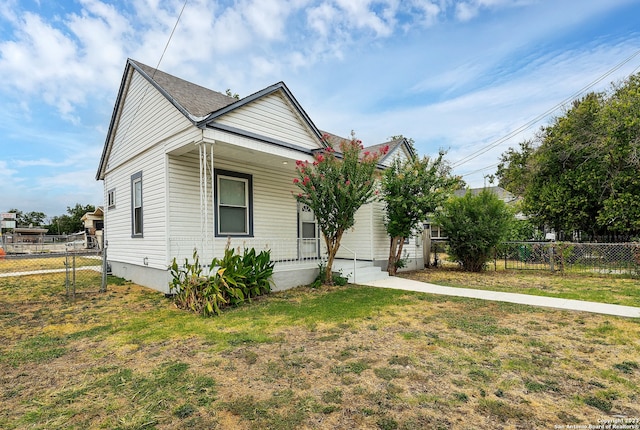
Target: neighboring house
{"points": [[186, 168], [93, 223]]}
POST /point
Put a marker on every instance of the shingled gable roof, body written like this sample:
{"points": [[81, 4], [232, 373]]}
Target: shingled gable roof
{"points": [[194, 101], [334, 139], [199, 104], [393, 144]]}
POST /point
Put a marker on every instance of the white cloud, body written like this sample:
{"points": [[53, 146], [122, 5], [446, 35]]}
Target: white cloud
{"points": [[40, 162], [339, 56], [428, 11], [6, 173], [267, 18], [322, 18], [359, 14], [466, 11]]}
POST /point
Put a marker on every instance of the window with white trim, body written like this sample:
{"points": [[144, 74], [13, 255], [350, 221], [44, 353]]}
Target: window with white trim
{"points": [[111, 198], [233, 195], [136, 205]]}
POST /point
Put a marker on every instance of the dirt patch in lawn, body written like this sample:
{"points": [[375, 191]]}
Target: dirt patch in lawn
{"points": [[301, 359]]}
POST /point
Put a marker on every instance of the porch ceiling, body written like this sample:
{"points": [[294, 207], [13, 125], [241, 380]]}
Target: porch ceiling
{"points": [[235, 153]]}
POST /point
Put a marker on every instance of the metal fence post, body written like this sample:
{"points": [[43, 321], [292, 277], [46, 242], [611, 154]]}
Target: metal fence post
{"points": [[551, 257], [103, 283], [66, 270], [74, 275]]}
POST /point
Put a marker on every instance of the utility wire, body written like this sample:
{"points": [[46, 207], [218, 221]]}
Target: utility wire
{"points": [[480, 170], [170, 37], [144, 94], [524, 127]]}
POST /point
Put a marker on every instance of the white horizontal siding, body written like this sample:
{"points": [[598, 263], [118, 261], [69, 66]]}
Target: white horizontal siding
{"points": [[184, 195], [381, 241], [271, 116], [399, 152], [150, 249], [274, 208], [147, 118], [380, 238], [358, 239]]}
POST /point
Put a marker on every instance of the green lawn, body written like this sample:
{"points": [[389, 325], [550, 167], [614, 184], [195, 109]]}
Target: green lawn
{"points": [[617, 290], [344, 357]]}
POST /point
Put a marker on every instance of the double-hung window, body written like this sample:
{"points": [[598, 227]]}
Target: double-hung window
{"points": [[136, 205], [233, 204], [111, 198]]}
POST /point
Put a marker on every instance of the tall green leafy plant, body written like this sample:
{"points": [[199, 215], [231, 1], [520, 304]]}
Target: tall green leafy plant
{"points": [[194, 292], [259, 277], [233, 279]]}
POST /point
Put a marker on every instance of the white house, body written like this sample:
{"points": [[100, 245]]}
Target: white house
{"points": [[185, 168]]}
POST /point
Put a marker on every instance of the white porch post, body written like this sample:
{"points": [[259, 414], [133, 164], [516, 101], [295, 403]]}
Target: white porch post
{"points": [[207, 207]]}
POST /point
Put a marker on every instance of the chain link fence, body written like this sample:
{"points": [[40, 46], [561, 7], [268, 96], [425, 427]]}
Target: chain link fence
{"points": [[565, 257], [73, 268], [602, 258]]}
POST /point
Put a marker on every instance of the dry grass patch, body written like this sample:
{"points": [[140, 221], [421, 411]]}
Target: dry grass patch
{"points": [[348, 357]]}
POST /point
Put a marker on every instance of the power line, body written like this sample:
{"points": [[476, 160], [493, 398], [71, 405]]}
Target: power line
{"points": [[170, 37], [527, 125], [480, 170], [144, 94]]}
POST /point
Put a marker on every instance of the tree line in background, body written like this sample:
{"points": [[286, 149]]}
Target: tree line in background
{"points": [[581, 172], [68, 223]]}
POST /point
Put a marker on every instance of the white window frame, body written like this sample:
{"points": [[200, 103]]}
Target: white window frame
{"points": [[137, 219], [111, 198], [248, 206]]}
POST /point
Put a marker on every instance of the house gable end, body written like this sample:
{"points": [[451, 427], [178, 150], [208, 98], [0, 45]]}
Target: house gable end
{"points": [[271, 115], [142, 117]]}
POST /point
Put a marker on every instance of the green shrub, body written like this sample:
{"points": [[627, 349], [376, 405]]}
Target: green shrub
{"points": [[233, 279], [475, 224], [193, 291], [337, 278]]}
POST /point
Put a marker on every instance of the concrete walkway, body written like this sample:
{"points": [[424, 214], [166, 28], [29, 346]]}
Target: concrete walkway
{"points": [[523, 299]]}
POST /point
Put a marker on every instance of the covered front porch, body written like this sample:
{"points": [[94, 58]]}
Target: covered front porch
{"points": [[230, 191]]}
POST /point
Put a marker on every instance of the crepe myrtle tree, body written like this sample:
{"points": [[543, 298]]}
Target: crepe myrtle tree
{"points": [[335, 185], [411, 190]]}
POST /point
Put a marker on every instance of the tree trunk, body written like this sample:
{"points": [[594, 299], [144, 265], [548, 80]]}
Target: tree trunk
{"points": [[395, 253], [399, 252], [391, 262], [332, 249]]}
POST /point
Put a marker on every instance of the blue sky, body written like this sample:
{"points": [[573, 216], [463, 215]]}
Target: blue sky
{"points": [[458, 75]]}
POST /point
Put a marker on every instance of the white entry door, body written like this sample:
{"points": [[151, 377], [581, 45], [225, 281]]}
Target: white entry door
{"points": [[308, 243]]}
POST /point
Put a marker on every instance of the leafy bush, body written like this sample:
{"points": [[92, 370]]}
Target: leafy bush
{"points": [[337, 278], [193, 291], [234, 279], [475, 225]]}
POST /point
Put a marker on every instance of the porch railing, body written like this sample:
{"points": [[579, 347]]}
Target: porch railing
{"points": [[284, 252]]}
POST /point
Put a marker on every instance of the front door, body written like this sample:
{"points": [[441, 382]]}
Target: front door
{"points": [[308, 243]]}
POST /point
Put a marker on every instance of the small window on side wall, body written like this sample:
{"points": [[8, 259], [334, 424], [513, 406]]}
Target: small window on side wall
{"points": [[136, 205], [234, 203], [111, 198]]}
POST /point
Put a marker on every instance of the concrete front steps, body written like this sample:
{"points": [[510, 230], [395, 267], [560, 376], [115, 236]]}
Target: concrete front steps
{"points": [[365, 271]]}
